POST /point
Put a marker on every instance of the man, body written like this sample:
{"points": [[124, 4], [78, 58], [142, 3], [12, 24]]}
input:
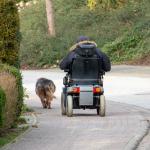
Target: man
{"points": [[84, 41]]}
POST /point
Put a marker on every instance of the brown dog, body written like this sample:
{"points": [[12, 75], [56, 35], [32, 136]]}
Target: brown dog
{"points": [[45, 89]]}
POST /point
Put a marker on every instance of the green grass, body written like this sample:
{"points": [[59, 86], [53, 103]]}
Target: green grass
{"points": [[73, 18], [25, 109], [10, 135]]}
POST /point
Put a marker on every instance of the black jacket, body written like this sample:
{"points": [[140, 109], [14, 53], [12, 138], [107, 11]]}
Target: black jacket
{"points": [[105, 61]]}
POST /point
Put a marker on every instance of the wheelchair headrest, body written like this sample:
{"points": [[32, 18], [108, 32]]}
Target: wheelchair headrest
{"points": [[86, 50]]}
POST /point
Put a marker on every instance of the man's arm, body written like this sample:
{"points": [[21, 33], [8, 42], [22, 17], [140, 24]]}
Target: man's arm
{"points": [[65, 63], [106, 64]]}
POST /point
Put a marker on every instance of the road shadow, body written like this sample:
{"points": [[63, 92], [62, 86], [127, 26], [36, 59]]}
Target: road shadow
{"points": [[85, 115]]}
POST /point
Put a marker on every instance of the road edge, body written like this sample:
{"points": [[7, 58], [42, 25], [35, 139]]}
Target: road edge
{"points": [[135, 141]]}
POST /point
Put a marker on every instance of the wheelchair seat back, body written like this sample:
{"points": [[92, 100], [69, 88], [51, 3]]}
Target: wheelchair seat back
{"points": [[85, 70]]}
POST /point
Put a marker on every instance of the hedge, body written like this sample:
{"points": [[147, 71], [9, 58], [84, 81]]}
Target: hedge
{"points": [[2, 106], [9, 33]]}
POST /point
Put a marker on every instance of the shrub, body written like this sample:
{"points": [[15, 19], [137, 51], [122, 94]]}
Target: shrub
{"points": [[2, 106], [18, 81], [8, 83], [132, 45], [9, 33]]}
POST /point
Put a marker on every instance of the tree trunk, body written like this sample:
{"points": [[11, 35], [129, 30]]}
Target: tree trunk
{"points": [[50, 18]]}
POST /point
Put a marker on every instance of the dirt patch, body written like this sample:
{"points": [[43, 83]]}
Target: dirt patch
{"points": [[28, 67], [143, 61]]}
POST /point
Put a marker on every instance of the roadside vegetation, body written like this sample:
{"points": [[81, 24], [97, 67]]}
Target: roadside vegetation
{"points": [[9, 33], [121, 29], [11, 89]]}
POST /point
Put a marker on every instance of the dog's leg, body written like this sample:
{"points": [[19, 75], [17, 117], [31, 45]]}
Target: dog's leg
{"points": [[49, 104], [43, 102], [48, 99]]}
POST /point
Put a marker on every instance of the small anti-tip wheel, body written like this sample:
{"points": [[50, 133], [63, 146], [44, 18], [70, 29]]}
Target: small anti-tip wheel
{"points": [[102, 108], [69, 106], [63, 108]]}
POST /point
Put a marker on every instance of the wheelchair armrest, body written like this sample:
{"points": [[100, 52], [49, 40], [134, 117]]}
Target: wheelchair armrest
{"points": [[66, 70], [102, 73], [65, 80]]}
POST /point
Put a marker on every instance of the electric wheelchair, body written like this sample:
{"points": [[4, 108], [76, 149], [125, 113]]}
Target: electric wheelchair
{"points": [[83, 85]]}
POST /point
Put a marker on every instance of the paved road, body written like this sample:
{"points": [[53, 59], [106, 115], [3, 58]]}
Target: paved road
{"points": [[119, 130]]}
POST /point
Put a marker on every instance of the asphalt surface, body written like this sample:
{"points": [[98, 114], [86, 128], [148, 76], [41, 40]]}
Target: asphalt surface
{"points": [[125, 127]]}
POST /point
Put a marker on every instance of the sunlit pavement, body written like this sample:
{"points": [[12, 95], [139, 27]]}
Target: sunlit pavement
{"points": [[125, 84]]}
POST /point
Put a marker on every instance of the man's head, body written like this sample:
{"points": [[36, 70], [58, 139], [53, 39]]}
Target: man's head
{"points": [[82, 38]]}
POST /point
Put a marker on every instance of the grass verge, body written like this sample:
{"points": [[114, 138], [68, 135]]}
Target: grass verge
{"points": [[10, 135]]}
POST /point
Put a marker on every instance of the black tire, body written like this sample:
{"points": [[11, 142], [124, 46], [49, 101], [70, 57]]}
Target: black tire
{"points": [[69, 106], [63, 108]]}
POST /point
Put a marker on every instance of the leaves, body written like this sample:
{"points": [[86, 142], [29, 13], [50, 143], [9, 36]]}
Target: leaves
{"points": [[91, 4], [106, 4]]}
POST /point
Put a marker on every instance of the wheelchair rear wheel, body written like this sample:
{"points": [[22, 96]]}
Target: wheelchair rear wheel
{"points": [[101, 110], [63, 108], [69, 106]]}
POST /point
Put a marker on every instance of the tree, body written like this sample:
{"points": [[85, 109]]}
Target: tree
{"points": [[50, 18]]}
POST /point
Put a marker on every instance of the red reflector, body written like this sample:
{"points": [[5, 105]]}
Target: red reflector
{"points": [[96, 89], [76, 90]]}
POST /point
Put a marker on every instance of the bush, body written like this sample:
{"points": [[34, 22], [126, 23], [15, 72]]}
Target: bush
{"points": [[12, 71], [2, 106], [132, 45], [9, 33], [8, 83]]}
